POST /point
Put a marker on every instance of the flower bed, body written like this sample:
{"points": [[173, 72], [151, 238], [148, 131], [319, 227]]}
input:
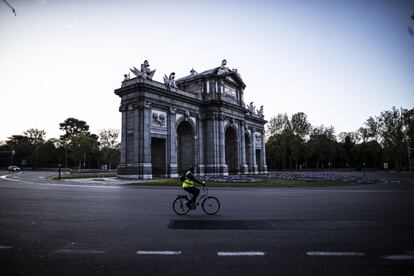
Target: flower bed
{"points": [[316, 176], [231, 179]]}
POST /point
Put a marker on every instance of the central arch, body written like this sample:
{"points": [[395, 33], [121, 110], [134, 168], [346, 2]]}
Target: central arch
{"points": [[231, 150], [185, 146]]}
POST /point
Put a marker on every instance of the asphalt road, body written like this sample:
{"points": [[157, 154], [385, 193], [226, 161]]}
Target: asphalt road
{"points": [[85, 228]]}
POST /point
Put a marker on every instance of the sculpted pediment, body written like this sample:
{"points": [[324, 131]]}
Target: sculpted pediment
{"points": [[234, 79]]}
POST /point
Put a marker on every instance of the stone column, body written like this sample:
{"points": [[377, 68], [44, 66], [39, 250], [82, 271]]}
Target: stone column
{"points": [[215, 146], [211, 146], [146, 145], [264, 165], [200, 148], [136, 144], [122, 109], [172, 144], [253, 147], [244, 169], [223, 170]]}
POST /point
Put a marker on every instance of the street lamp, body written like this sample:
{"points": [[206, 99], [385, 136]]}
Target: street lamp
{"points": [[13, 152], [364, 168], [37, 153]]}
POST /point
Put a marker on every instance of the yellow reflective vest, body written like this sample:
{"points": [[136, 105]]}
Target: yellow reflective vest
{"points": [[188, 183]]}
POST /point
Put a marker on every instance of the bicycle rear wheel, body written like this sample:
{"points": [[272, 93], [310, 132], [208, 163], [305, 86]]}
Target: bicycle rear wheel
{"points": [[179, 205], [211, 205]]}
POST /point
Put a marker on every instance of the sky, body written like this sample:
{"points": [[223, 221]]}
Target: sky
{"points": [[338, 61]]}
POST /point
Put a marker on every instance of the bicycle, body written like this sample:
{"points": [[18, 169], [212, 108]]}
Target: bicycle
{"points": [[210, 204]]}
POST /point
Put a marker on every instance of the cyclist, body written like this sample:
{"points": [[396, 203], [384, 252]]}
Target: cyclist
{"points": [[188, 185]]}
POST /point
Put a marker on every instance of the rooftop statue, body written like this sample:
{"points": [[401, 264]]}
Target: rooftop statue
{"points": [[193, 72], [251, 107], [223, 69], [260, 112], [170, 81], [145, 71]]}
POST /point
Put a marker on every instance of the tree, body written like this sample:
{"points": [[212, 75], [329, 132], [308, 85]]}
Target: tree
{"points": [[300, 124], [288, 141], [388, 128], [408, 117], [36, 137], [22, 146], [278, 124], [108, 138], [81, 146], [353, 136], [73, 126], [109, 146], [322, 143], [347, 141], [48, 153]]}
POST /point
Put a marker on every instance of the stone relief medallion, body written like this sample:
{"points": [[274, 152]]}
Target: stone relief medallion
{"points": [[258, 139], [158, 118]]}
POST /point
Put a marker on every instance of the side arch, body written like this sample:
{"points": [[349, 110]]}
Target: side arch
{"points": [[231, 149], [185, 145]]}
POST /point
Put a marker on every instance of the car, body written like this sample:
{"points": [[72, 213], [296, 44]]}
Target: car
{"points": [[14, 169]]}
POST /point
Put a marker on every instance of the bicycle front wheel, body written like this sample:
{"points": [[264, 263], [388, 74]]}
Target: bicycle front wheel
{"points": [[179, 205], [211, 205]]}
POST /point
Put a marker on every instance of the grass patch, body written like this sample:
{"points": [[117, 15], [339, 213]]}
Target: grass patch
{"points": [[80, 176], [263, 184]]}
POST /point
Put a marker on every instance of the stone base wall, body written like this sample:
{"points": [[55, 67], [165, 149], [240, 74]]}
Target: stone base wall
{"points": [[135, 171]]}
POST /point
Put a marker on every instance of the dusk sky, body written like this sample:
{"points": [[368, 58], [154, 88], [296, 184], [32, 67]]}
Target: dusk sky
{"points": [[338, 61]]}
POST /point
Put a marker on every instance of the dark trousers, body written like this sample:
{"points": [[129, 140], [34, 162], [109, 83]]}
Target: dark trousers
{"points": [[194, 192]]}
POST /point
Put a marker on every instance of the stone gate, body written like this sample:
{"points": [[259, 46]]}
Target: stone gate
{"points": [[199, 120]]}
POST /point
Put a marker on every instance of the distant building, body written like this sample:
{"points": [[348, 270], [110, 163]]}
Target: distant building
{"points": [[199, 120]]}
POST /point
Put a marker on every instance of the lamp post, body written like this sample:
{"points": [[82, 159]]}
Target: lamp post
{"points": [[364, 168], [11, 156], [37, 153], [60, 169]]}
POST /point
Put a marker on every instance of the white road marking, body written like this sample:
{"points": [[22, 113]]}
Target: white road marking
{"points": [[144, 252], [245, 253], [79, 251], [11, 179], [79, 186], [339, 253], [5, 247], [69, 185], [399, 257]]}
